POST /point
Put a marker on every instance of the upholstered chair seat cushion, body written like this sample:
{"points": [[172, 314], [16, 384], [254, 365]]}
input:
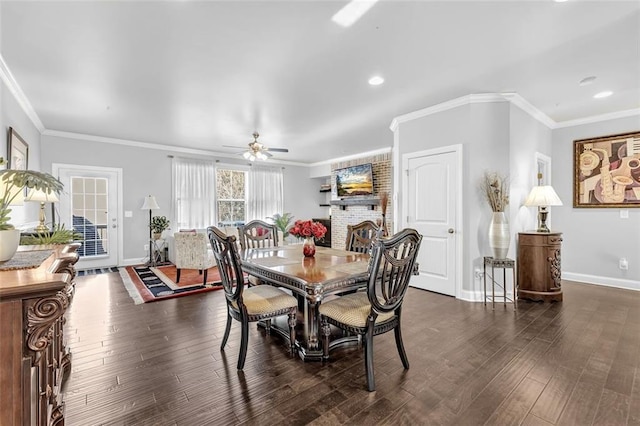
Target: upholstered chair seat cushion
{"points": [[352, 309], [263, 299]]}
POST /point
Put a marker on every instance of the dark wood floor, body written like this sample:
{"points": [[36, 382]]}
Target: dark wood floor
{"points": [[576, 362]]}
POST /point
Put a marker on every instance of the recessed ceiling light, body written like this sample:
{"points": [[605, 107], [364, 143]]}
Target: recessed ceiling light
{"points": [[559, 1], [604, 94], [376, 80], [587, 80], [352, 11]]}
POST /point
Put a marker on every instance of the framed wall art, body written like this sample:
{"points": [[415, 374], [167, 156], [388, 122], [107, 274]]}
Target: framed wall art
{"points": [[606, 171], [18, 151]]}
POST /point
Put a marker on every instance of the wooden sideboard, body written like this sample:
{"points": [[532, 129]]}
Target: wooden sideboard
{"points": [[539, 266], [33, 357]]}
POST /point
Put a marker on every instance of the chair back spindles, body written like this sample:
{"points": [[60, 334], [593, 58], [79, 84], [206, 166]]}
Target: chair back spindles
{"points": [[258, 234], [360, 236], [391, 268]]}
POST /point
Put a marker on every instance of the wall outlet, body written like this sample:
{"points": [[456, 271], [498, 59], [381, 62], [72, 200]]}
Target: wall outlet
{"points": [[623, 263], [146, 247], [478, 273]]}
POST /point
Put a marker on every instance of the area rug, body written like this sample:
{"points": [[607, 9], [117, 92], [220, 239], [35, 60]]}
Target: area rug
{"points": [[149, 284]]}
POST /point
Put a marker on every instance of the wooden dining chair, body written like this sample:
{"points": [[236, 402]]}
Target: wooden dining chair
{"points": [[359, 236], [379, 309], [251, 304], [257, 234]]}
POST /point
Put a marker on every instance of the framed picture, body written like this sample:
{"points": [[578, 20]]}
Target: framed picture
{"points": [[606, 171], [18, 151]]}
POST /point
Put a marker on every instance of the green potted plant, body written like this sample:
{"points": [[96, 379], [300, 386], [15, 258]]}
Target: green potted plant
{"points": [[282, 222], [12, 186], [158, 225], [58, 235]]}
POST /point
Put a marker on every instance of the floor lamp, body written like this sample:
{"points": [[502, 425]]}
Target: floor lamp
{"points": [[150, 204]]}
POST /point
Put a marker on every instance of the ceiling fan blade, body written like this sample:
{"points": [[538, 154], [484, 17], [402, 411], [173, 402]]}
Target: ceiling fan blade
{"points": [[278, 149], [235, 147]]}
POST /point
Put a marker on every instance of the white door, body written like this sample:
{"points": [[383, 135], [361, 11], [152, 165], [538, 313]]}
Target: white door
{"points": [[90, 204], [431, 205]]}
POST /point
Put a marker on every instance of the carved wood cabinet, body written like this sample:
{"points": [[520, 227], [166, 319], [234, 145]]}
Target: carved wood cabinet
{"points": [[33, 357], [539, 266]]}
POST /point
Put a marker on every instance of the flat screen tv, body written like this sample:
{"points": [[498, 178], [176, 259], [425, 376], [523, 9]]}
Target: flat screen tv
{"points": [[355, 181]]}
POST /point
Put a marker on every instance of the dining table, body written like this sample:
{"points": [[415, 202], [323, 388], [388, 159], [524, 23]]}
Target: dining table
{"points": [[312, 279]]}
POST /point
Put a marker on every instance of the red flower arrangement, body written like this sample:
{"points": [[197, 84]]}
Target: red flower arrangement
{"points": [[308, 228]]}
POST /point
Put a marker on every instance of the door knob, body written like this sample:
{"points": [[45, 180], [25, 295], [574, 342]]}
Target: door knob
{"points": [[451, 231]]}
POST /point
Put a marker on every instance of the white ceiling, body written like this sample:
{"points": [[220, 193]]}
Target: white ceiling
{"points": [[206, 74]]}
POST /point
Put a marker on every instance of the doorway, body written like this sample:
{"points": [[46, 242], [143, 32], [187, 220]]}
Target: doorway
{"points": [[432, 204], [90, 205]]}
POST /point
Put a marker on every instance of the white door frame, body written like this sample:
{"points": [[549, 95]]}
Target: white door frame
{"points": [[458, 234], [55, 168]]}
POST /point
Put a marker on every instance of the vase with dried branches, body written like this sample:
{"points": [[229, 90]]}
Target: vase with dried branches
{"points": [[495, 189], [384, 200]]}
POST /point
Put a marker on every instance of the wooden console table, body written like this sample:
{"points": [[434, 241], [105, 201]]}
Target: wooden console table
{"points": [[539, 266], [33, 356]]}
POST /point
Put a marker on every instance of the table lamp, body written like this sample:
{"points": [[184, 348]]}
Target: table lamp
{"points": [[542, 196], [42, 197], [150, 204]]}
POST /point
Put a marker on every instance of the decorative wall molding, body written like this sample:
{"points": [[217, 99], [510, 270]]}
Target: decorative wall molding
{"points": [[516, 100], [353, 157], [18, 94], [155, 146], [598, 118]]}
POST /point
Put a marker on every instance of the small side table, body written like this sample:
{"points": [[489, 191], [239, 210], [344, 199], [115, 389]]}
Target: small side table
{"points": [[158, 247], [503, 264]]}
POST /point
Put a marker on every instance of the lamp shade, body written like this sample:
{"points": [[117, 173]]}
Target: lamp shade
{"points": [[150, 203], [42, 196], [543, 195]]}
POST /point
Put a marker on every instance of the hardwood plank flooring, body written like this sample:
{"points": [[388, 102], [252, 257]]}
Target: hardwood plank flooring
{"points": [[575, 362]]}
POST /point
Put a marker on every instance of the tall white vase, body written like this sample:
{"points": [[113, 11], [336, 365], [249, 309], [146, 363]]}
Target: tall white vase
{"points": [[499, 236], [9, 241]]}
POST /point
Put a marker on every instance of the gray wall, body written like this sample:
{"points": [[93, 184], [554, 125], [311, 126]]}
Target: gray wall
{"points": [[148, 171], [12, 115], [495, 136], [594, 239]]}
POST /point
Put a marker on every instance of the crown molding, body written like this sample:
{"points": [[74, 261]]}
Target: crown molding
{"points": [[444, 106], [476, 98], [534, 112], [18, 94], [598, 118], [156, 146], [352, 157]]}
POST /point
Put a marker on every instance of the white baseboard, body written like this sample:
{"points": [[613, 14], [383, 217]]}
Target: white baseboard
{"points": [[134, 261], [476, 296], [603, 281]]}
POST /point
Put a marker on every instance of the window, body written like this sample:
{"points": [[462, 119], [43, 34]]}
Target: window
{"points": [[231, 201], [89, 198]]}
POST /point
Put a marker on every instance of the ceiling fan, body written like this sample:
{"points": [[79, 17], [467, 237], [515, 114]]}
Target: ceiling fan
{"points": [[258, 151]]}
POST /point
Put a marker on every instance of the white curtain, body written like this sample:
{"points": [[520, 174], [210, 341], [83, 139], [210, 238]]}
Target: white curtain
{"points": [[194, 185], [265, 192]]}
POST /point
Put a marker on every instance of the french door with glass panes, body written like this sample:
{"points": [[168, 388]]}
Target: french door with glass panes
{"points": [[89, 205]]}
